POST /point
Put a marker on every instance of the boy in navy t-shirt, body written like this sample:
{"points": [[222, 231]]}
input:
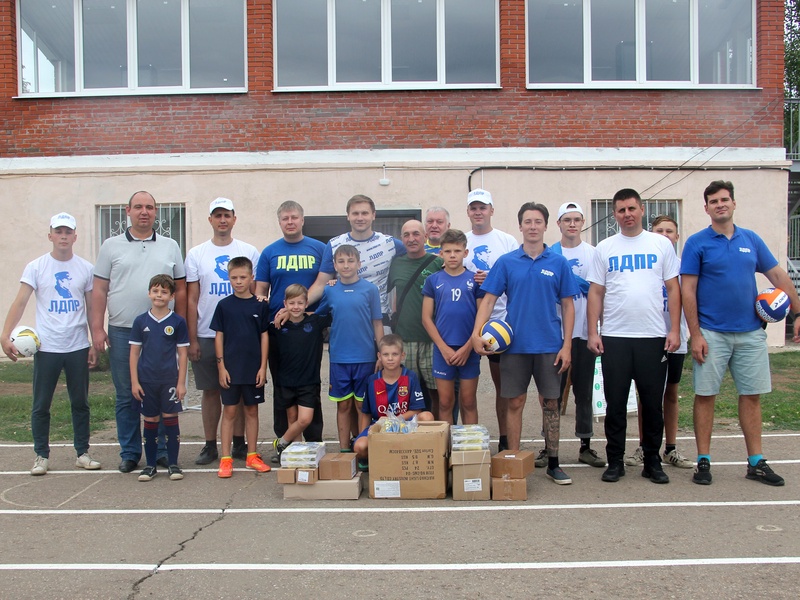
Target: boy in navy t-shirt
{"points": [[394, 389], [357, 325], [158, 381], [297, 359], [241, 344], [449, 305]]}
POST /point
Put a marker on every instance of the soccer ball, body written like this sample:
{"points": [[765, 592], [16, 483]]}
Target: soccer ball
{"points": [[25, 340], [499, 335], [772, 305]]}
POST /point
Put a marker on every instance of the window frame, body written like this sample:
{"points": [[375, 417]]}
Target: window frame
{"points": [[386, 57], [132, 88], [603, 217], [118, 222], [641, 81]]}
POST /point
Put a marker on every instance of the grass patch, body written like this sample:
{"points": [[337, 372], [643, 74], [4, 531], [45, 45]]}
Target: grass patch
{"points": [[780, 408], [15, 403]]}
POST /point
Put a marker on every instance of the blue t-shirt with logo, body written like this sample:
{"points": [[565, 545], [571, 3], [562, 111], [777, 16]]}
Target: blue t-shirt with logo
{"points": [[159, 339], [283, 263]]}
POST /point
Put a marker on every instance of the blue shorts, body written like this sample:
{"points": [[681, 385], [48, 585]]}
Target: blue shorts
{"points": [[349, 380], [249, 394], [159, 398], [470, 370], [746, 356], [365, 432]]}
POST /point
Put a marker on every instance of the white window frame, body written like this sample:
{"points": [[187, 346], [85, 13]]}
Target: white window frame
{"points": [[386, 57], [132, 88], [114, 220], [641, 56]]}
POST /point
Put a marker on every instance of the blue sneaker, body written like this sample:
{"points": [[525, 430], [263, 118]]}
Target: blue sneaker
{"points": [[558, 476]]}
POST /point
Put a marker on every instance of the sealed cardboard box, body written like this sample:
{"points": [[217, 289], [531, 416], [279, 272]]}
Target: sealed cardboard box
{"points": [[505, 488], [307, 476], [325, 490], [515, 465], [409, 465], [471, 479], [286, 475], [338, 465]]}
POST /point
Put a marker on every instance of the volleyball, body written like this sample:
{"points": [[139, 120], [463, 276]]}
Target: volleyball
{"points": [[25, 340], [498, 334], [772, 305]]}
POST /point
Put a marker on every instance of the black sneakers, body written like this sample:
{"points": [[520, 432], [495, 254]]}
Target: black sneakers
{"points": [[614, 471], [763, 473], [147, 474], [239, 451], [702, 472], [655, 473], [207, 455]]}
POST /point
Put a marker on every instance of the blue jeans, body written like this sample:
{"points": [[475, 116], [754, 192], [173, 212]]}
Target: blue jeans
{"points": [[129, 431], [47, 367]]}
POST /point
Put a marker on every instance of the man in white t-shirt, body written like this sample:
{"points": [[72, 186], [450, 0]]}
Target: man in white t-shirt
{"points": [[627, 277], [486, 245], [207, 283], [62, 282]]}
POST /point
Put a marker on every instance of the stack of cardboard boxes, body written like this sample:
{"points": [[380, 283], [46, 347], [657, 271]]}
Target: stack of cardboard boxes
{"points": [[310, 474], [510, 471]]}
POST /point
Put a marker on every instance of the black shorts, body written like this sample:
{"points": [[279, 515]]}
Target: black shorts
{"points": [[307, 396], [494, 358], [250, 395], [675, 367]]}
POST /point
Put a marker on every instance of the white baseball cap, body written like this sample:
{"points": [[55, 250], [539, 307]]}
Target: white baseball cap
{"points": [[479, 195], [63, 220], [220, 203], [569, 207]]}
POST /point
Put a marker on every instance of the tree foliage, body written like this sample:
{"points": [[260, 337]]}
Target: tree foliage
{"points": [[792, 48]]}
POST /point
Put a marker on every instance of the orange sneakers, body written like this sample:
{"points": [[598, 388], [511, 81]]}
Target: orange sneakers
{"points": [[225, 467], [254, 462]]}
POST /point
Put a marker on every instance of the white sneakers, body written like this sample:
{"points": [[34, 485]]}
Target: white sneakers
{"points": [[85, 461], [40, 466]]}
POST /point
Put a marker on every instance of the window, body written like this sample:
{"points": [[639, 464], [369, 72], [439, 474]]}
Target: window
{"points": [[170, 222], [108, 47], [604, 225], [629, 43], [393, 44]]}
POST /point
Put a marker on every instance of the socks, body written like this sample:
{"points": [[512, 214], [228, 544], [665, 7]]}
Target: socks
{"points": [[706, 456], [503, 441], [753, 460], [585, 444], [151, 443], [173, 432], [552, 462], [238, 440], [669, 448]]}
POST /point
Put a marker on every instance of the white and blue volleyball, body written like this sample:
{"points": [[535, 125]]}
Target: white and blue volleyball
{"points": [[772, 305], [498, 334]]}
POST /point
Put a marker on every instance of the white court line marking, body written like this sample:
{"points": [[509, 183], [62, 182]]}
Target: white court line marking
{"points": [[607, 564], [334, 442], [5, 499], [398, 509]]}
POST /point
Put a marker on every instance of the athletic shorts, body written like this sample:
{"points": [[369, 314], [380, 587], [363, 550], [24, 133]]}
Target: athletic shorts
{"points": [[746, 356], [419, 358], [516, 371], [365, 431], [206, 373], [159, 399], [306, 396], [675, 367], [349, 380], [469, 370], [494, 358], [249, 394]]}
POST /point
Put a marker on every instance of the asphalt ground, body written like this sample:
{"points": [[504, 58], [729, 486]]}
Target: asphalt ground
{"points": [[103, 534]]}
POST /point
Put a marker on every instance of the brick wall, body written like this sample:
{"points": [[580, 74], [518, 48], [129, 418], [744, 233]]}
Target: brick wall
{"points": [[510, 117]]}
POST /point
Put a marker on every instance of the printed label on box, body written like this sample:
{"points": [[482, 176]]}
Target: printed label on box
{"points": [[302, 476], [386, 489], [473, 485]]}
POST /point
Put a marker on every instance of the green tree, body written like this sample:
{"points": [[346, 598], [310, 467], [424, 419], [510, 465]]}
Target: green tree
{"points": [[792, 49]]}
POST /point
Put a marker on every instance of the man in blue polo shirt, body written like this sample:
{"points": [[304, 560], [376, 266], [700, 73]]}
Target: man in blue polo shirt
{"points": [[532, 276], [719, 288]]}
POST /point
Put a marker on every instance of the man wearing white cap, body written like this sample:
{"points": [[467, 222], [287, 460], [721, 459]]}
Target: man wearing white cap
{"points": [[63, 285], [486, 245], [206, 284], [124, 266]]}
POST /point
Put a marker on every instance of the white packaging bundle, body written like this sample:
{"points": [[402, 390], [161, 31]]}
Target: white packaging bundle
{"points": [[302, 455], [469, 437]]}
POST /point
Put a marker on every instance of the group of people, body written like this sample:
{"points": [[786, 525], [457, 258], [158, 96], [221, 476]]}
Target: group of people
{"points": [[234, 313]]}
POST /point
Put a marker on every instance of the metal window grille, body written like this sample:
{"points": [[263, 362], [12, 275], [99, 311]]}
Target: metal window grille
{"points": [[605, 226], [170, 222]]}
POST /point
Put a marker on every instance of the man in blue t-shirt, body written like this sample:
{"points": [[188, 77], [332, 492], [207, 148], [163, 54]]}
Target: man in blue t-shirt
{"points": [[532, 276], [719, 288]]}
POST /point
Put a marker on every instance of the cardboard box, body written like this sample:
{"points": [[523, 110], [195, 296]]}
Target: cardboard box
{"points": [[409, 465], [307, 476], [325, 490], [505, 488], [340, 466], [471, 479], [514, 465], [286, 475]]}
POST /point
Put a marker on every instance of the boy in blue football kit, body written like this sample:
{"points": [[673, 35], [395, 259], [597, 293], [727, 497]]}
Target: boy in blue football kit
{"points": [[394, 389], [297, 359], [449, 305], [357, 325], [158, 381], [241, 344]]}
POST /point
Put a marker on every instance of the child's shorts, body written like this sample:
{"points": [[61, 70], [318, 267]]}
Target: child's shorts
{"points": [[349, 380], [249, 394], [159, 398], [306, 396], [470, 370], [364, 433]]}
